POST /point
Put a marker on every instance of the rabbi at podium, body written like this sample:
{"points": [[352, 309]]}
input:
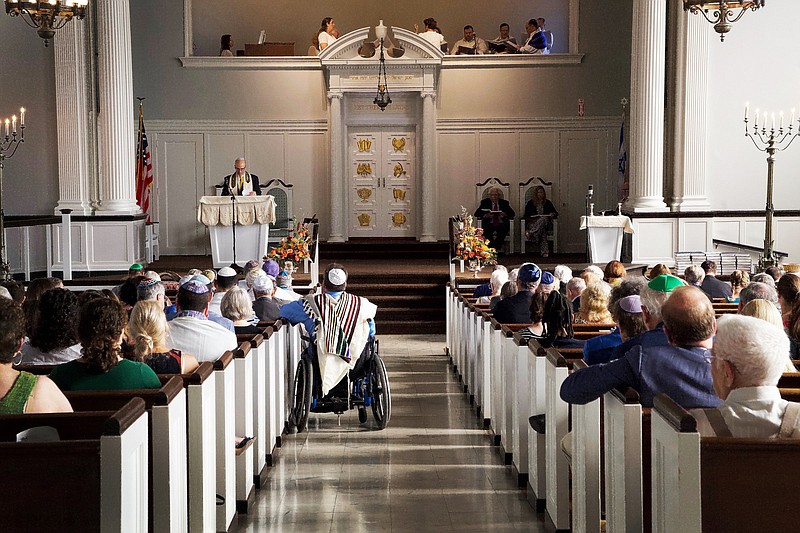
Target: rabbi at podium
{"points": [[495, 215], [241, 182]]}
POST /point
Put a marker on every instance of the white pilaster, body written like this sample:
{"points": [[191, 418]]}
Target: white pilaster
{"points": [[116, 125], [338, 184], [73, 83], [647, 106], [691, 92], [429, 176]]}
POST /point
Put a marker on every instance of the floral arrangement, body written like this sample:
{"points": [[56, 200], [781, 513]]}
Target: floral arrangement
{"points": [[295, 247], [470, 243]]}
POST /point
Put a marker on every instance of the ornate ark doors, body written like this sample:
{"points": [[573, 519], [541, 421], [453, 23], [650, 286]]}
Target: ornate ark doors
{"points": [[382, 171]]}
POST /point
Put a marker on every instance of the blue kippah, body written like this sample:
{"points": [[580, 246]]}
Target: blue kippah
{"points": [[547, 278], [529, 273]]}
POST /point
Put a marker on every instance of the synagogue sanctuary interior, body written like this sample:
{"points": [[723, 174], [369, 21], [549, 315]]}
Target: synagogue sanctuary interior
{"points": [[231, 162]]}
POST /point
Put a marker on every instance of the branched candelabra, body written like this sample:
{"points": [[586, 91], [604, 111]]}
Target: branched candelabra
{"points": [[8, 147], [770, 140]]}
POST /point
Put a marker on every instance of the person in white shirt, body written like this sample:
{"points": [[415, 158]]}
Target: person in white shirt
{"points": [[470, 41], [226, 280], [191, 331], [326, 33], [505, 31], [431, 33], [747, 360]]}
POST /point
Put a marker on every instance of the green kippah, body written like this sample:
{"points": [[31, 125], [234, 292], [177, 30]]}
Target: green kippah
{"points": [[665, 283], [136, 266]]}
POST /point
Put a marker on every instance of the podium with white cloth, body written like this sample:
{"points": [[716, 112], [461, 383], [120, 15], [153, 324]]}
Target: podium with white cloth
{"points": [[252, 216], [605, 236]]}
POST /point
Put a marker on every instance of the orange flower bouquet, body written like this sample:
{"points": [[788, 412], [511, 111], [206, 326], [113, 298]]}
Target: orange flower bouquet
{"points": [[471, 245], [294, 247]]}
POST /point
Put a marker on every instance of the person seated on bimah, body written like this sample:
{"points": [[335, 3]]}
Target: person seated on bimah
{"points": [[746, 362], [241, 182], [539, 215], [470, 44], [496, 215], [503, 43]]}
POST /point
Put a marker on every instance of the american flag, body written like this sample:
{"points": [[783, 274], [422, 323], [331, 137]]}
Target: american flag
{"points": [[144, 169]]}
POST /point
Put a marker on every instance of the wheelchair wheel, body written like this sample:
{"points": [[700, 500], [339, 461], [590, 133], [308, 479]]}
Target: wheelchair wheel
{"points": [[303, 387], [382, 398]]}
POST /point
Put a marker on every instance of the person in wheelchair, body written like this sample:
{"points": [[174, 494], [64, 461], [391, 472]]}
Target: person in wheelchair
{"points": [[340, 325]]}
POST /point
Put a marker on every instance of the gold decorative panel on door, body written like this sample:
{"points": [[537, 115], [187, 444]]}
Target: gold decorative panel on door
{"points": [[382, 182]]}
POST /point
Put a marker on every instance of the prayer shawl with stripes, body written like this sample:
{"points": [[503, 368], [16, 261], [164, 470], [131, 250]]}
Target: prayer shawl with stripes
{"points": [[341, 331]]}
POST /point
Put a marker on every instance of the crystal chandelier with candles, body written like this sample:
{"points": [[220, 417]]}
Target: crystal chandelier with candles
{"points": [[722, 14], [48, 16]]}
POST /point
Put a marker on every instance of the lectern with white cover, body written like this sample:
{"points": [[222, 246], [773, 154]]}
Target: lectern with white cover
{"points": [[605, 236], [252, 216]]}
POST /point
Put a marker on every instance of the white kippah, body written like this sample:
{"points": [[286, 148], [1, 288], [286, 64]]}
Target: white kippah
{"points": [[337, 276]]}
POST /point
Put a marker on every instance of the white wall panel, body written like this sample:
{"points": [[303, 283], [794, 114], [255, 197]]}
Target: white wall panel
{"points": [[695, 234], [654, 241], [458, 165], [307, 169], [266, 155], [221, 150], [498, 155]]}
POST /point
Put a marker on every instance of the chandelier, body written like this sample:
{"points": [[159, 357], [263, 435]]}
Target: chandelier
{"points": [[723, 14], [382, 98], [47, 17]]}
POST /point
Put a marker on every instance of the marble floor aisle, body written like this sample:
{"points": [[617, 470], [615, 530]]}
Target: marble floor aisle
{"points": [[432, 469]]}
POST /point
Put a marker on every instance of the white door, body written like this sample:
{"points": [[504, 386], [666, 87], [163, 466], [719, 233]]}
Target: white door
{"points": [[180, 181], [382, 170]]}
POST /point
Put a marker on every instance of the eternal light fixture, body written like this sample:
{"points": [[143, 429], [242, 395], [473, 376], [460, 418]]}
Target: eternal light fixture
{"points": [[723, 14], [382, 98], [47, 17]]}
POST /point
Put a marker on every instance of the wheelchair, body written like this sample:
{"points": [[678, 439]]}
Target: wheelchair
{"points": [[366, 386]]}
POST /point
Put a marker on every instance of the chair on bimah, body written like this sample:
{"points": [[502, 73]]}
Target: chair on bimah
{"points": [[482, 192], [282, 192], [526, 190]]}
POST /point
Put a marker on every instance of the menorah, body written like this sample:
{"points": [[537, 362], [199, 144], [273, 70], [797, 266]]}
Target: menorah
{"points": [[770, 140], [8, 147]]}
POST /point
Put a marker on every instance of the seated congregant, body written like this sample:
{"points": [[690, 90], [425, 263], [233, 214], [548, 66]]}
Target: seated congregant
{"points": [[678, 369], [614, 272], [625, 306], [284, 293], [755, 290], [563, 274], [470, 44], [147, 335], [746, 362], [594, 304], [211, 315], [226, 279], [102, 366], [557, 321], [236, 306], [694, 275], [495, 215], [191, 331], [22, 392], [516, 309], [788, 287], [739, 280], [575, 287], [498, 278], [54, 337], [30, 306], [713, 287]]}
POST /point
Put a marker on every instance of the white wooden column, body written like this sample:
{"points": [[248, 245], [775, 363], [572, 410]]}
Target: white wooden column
{"points": [[691, 91], [647, 106], [338, 186], [73, 83], [429, 175], [117, 129]]}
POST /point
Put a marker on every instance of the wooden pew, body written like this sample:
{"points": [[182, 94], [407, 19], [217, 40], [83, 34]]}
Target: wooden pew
{"points": [[511, 392], [586, 464], [627, 462], [290, 349], [93, 479], [202, 447], [497, 422], [557, 425], [243, 362], [225, 384], [261, 421], [537, 460], [716, 483], [167, 443]]}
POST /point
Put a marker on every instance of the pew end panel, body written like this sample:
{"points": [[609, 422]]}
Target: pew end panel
{"points": [[225, 383], [586, 465], [537, 459], [243, 363], [557, 426]]}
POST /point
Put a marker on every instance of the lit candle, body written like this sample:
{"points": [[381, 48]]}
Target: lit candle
{"points": [[781, 119], [746, 107], [14, 123], [21, 116], [773, 121], [7, 124], [764, 125], [755, 125]]}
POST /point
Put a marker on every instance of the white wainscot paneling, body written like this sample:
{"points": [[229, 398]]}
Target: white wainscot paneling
{"points": [[498, 157], [458, 166], [80, 244], [306, 168], [266, 155], [221, 150], [654, 240], [26, 248], [786, 232], [695, 234], [727, 229], [112, 244], [538, 155], [753, 232]]}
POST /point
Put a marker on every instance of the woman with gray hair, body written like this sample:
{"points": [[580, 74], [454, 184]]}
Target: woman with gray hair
{"points": [[496, 281], [237, 307]]}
